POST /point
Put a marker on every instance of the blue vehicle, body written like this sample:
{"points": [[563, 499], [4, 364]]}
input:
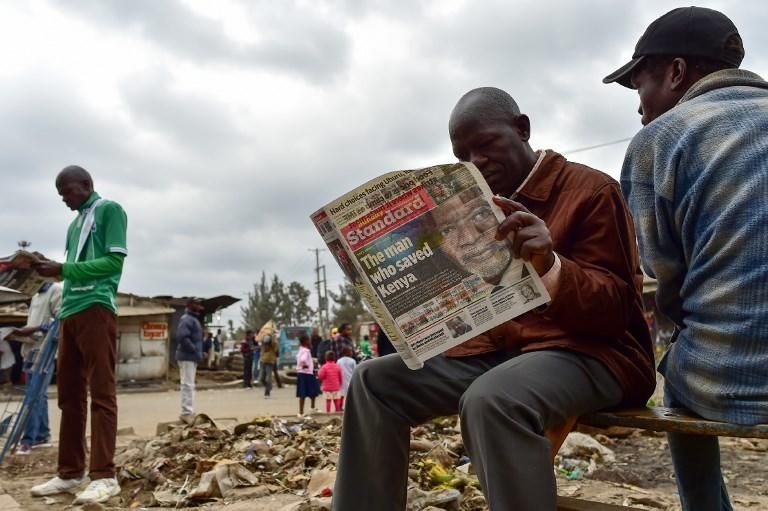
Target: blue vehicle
{"points": [[289, 343]]}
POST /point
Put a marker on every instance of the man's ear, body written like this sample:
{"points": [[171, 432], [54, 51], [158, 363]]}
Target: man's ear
{"points": [[523, 125], [679, 74]]}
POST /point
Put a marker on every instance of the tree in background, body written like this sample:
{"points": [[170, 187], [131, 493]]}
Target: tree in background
{"points": [[286, 305], [298, 312], [349, 307]]}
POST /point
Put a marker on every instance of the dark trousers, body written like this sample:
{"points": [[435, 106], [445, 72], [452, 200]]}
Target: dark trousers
{"points": [[87, 355], [696, 459], [247, 370], [266, 377], [505, 403], [37, 429]]}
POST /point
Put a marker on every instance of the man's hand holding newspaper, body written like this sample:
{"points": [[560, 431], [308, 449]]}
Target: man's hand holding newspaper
{"points": [[529, 234]]}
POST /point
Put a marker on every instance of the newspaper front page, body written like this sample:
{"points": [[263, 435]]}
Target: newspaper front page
{"points": [[16, 273], [419, 246]]}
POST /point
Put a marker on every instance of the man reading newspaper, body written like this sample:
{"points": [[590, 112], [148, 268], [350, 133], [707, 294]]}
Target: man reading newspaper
{"points": [[588, 349]]}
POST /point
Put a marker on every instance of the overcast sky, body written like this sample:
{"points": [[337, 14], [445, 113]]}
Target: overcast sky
{"points": [[221, 125]]}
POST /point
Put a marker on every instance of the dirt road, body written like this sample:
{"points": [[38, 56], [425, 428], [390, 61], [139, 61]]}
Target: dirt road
{"points": [[142, 411], [640, 476]]}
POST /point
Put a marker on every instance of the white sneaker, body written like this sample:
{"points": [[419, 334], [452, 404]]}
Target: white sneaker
{"points": [[57, 485], [100, 490]]}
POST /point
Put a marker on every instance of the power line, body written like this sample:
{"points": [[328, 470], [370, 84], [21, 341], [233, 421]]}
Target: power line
{"points": [[589, 148]]}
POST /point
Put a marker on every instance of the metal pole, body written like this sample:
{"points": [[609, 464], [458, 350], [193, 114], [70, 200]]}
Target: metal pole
{"points": [[320, 295]]}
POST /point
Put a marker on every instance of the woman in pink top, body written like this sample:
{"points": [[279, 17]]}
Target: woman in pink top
{"points": [[330, 379], [306, 383]]}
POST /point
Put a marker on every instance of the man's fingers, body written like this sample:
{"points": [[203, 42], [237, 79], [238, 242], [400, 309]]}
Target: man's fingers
{"points": [[530, 241], [515, 222], [509, 205], [536, 246]]}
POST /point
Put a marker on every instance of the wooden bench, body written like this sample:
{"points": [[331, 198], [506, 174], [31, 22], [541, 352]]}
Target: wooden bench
{"points": [[674, 420]]}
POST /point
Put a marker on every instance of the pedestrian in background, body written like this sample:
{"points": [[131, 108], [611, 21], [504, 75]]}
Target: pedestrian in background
{"points": [[256, 354], [214, 358], [330, 379], [189, 352], [306, 383], [246, 350], [43, 310], [268, 361], [336, 343], [315, 340], [347, 364], [207, 350]]}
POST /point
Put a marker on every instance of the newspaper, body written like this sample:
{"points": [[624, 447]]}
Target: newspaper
{"points": [[419, 246], [16, 272]]}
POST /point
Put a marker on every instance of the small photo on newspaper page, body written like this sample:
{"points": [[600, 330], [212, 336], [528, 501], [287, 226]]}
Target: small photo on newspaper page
{"points": [[422, 243]]}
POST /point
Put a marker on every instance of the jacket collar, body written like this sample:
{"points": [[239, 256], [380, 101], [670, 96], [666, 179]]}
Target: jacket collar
{"points": [[724, 78], [539, 186]]}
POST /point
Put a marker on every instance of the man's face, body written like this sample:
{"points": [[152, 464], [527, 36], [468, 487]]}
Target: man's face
{"points": [[73, 192], [495, 147], [347, 332], [651, 79], [468, 231]]}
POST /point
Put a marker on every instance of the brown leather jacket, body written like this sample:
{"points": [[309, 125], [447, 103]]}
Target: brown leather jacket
{"points": [[598, 308]]}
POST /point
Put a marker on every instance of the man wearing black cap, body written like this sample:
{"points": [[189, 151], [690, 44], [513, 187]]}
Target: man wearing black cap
{"points": [[696, 180]]}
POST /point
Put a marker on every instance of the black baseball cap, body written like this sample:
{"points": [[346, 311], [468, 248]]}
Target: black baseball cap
{"points": [[685, 32]]}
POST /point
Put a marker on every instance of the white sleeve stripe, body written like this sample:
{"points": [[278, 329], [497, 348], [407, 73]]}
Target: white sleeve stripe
{"points": [[119, 250]]}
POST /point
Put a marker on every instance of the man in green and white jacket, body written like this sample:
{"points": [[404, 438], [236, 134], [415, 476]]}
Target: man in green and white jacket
{"points": [[96, 247]]}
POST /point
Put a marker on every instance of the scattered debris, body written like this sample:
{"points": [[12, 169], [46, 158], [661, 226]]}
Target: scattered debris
{"points": [[280, 464]]}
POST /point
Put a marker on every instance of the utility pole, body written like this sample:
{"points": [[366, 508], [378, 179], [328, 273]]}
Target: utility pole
{"points": [[321, 286]]}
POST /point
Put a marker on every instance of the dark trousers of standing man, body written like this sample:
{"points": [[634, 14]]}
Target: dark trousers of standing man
{"points": [[86, 363], [247, 370]]}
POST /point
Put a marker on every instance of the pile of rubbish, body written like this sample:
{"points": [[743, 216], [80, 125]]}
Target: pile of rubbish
{"points": [[203, 462]]}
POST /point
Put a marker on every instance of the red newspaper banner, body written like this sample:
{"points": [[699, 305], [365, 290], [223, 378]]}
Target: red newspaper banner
{"points": [[388, 217]]}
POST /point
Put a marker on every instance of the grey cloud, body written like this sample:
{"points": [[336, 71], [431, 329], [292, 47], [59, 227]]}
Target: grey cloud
{"points": [[291, 42], [203, 126], [214, 195]]}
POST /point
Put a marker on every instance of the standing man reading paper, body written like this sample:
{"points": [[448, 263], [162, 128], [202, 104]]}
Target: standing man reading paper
{"points": [[695, 178], [96, 247], [589, 349]]}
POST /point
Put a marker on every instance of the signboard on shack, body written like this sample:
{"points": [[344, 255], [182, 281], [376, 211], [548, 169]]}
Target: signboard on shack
{"points": [[155, 330]]}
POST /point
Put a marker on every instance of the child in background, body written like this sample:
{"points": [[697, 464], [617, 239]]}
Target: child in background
{"points": [[347, 365], [330, 379], [306, 383]]}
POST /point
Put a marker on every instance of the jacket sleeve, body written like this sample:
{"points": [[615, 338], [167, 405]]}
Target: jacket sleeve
{"points": [[600, 278], [649, 183], [184, 335]]}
